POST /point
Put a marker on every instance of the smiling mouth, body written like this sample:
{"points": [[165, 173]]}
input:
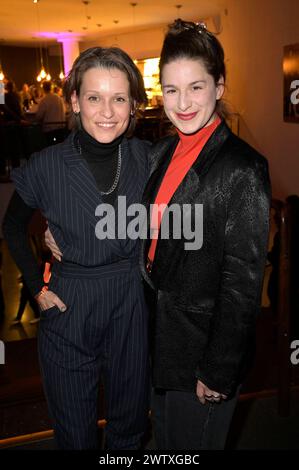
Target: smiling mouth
{"points": [[186, 117], [106, 125]]}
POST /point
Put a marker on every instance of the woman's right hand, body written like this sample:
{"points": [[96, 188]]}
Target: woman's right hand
{"points": [[48, 299], [51, 244], [204, 393]]}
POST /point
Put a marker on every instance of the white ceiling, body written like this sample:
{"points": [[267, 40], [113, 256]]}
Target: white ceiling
{"points": [[19, 23]]}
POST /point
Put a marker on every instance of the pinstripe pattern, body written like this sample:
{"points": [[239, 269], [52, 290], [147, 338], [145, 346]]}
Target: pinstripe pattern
{"points": [[103, 333], [58, 181]]}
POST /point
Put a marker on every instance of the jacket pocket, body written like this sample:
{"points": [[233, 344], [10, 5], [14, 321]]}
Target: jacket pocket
{"points": [[50, 313]]}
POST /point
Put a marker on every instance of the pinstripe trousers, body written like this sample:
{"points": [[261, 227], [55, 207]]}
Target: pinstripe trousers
{"points": [[102, 333]]}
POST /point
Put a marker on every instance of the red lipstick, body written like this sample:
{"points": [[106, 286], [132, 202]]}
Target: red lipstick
{"points": [[186, 117]]}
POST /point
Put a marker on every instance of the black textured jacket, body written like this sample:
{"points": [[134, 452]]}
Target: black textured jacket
{"points": [[208, 299]]}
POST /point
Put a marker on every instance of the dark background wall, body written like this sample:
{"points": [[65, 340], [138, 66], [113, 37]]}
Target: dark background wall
{"points": [[22, 64]]}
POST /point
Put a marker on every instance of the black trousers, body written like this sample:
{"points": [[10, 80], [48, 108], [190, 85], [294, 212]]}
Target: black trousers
{"points": [[103, 332], [181, 422]]}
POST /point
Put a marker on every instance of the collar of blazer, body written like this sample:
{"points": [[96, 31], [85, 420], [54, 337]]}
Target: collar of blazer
{"points": [[70, 154], [83, 181], [84, 188], [160, 156]]}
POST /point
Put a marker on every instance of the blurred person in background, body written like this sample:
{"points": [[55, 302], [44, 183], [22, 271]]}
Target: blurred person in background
{"points": [[11, 110], [51, 110]]}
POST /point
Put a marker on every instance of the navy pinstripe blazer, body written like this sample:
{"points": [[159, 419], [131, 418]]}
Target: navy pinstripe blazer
{"points": [[58, 181]]}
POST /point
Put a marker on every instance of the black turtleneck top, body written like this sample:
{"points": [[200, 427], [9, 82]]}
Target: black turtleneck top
{"points": [[102, 160]]}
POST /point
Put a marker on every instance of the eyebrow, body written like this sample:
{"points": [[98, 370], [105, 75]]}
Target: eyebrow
{"points": [[192, 83]]}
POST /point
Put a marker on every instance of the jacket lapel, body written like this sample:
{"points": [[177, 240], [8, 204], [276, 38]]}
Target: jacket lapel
{"points": [[128, 187], [187, 190], [82, 183], [84, 188], [210, 151], [162, 152], [161, 157]]}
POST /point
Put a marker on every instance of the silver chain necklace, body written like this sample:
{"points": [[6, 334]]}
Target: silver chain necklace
{"points": [[116, 179]]}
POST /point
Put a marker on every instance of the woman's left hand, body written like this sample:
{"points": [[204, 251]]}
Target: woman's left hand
{"points": [[47, 299], [205, 393]]}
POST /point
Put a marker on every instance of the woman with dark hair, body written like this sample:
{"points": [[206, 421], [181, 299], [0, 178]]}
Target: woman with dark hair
{"points": [[93, 313], [204, 298]]}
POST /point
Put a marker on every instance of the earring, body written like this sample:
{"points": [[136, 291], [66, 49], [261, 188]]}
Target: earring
{"points": [[76, 113]]}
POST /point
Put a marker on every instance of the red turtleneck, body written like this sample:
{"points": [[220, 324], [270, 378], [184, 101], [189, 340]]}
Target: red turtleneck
{"points": [[186, 152]]}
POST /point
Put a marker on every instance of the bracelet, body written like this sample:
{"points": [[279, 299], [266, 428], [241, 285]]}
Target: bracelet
{"points": [[41, 292]]}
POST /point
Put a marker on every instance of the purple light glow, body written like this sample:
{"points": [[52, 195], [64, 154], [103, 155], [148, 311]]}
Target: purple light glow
{"points": [[58, 36], [69, 43], [47, 34]]}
